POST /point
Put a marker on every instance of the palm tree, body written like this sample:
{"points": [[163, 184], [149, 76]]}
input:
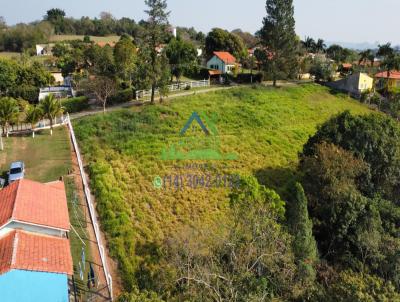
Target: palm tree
{"points": [[320, 46], [309, 44], [364, 56], [33, 114], [385, 50], [9, 112], [51, 108]]}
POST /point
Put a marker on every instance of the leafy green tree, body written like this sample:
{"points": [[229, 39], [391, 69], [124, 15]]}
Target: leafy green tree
{"points": [[125, 57], [8, 76], [355, 287], [155, 35], [322, 69], [222, 40], [373, 138], [54, 14], [51, 108], [139, 296], [340, 54], [9, 113], [56, 17], [342, 215], [248, 39], [279, 39], [33, 114], [182, 56], [246, 259], [304, 244]]}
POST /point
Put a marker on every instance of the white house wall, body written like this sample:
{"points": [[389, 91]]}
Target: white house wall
{"points": [[13, 225]]}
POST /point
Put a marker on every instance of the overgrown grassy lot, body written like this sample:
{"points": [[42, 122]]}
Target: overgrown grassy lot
{"points": [[264, 127]]}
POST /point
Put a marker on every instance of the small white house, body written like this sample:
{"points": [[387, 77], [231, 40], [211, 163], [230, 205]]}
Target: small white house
{"points": [[222, 61], [44, 49]]}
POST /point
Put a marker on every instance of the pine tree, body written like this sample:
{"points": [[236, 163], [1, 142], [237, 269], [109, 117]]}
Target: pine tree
{"points": [[304, 244], [155, 35], [279, 40]]}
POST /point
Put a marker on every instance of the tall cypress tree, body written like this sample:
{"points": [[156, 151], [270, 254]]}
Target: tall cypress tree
{"points": [[279, 40], [304, 244]]}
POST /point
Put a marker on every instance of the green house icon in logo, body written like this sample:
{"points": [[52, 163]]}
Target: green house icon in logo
{"points": [[197, 145]]}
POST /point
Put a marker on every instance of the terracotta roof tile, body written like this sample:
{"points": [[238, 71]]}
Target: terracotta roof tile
{"points": [[6, 252], [27, 251], [226, 57], [392, 75], [33, 202]]}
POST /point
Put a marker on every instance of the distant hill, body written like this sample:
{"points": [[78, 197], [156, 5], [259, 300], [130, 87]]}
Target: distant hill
{"points": [[355, 45]]}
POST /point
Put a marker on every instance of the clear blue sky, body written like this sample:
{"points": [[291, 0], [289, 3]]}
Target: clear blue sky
{"points": [[332, 20]]}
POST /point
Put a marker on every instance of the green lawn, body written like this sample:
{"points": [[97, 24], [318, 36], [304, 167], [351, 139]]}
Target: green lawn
{"points": [[264, 127], [46, 157]]}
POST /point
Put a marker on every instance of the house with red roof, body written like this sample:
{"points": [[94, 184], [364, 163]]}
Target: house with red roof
{"points": [[34, 267], [34, 207], [35, 254], [392, 79], [222, 61]]}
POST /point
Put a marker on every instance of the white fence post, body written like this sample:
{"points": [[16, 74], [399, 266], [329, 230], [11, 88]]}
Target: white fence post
{"points": [[140, 94]]}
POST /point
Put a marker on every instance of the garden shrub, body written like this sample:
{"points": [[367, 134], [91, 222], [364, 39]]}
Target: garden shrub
{"points": [[121, 96], [76, 104]]}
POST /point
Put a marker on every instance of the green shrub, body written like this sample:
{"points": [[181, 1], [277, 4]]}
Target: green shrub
{"points": [[26, 92], [77, 104], [121, 96]]}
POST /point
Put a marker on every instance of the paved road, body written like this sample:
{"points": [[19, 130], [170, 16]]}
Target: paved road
{"points": [[139, 103]]}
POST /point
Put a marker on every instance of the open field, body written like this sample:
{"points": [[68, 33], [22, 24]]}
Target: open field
{"points": [[264, 127], [9, 55], [56, 38]]}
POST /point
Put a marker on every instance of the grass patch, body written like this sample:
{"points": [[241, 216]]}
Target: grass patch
{"points": [[265, 127], [10, 55], [107, 39], [46, 157]]}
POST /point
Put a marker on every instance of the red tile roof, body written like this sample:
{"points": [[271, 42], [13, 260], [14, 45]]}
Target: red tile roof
{"points": [[225, 57], [347, 65], [32, 202], [27, 251], [392, 75]]}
